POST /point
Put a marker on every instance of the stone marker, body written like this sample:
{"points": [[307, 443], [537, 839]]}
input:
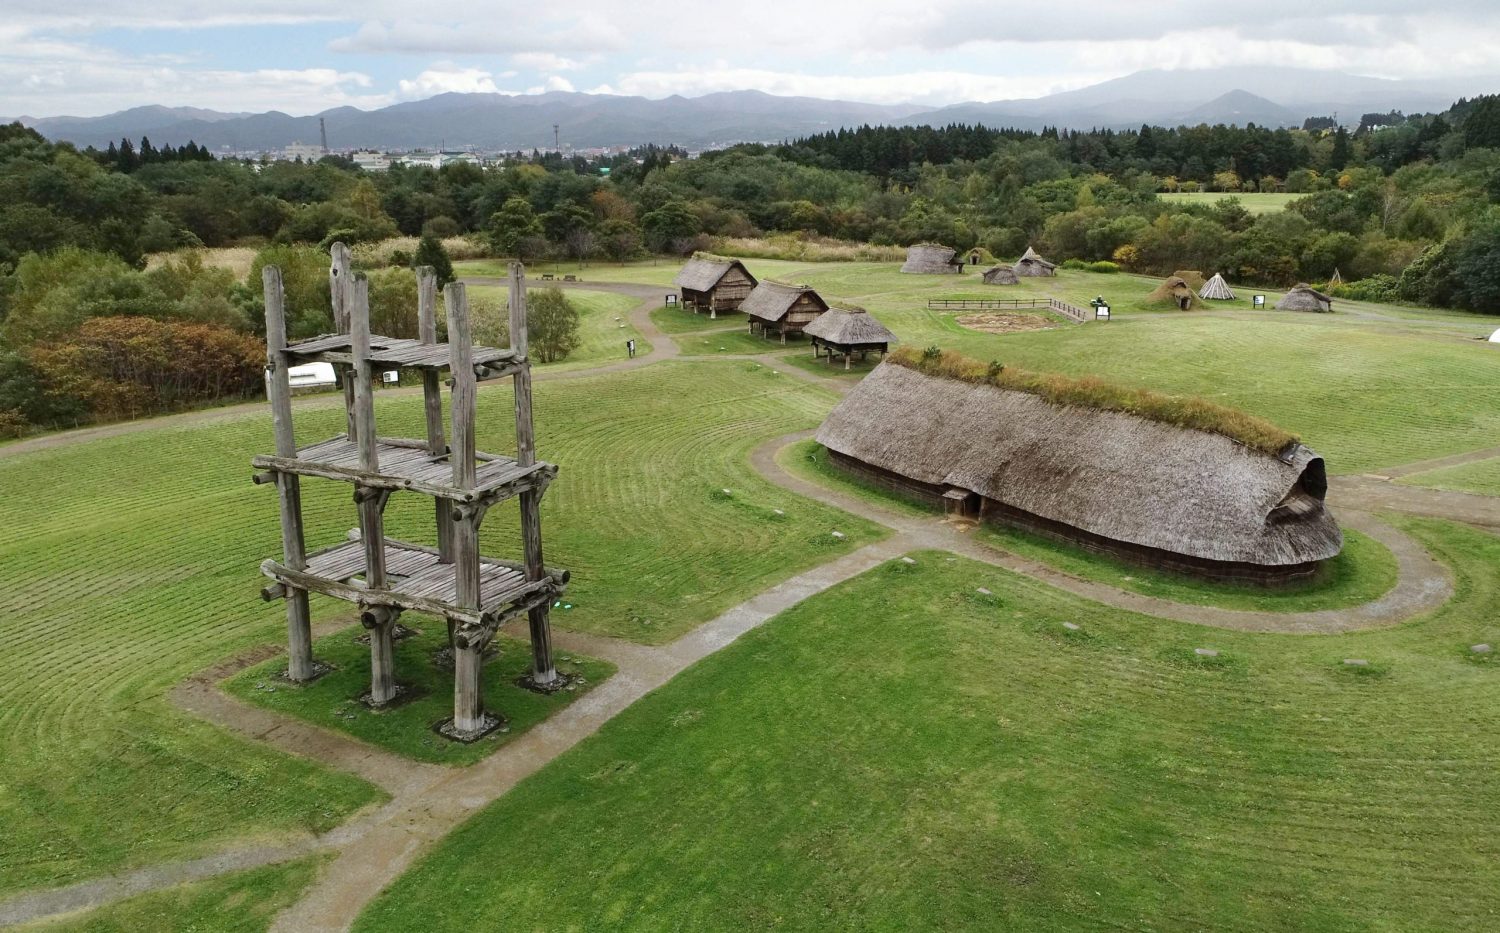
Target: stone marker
{"points": [[778, 511], [907, 560], [1480, 649], [984, 592], [1356, 662], [1072, 626], [838, 534], [1206, 652]]}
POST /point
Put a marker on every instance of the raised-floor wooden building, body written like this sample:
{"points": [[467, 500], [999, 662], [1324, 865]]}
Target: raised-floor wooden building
{"points": [[384, 577], [1142, 490], [714, 285], [846, 331], [780, 309]]}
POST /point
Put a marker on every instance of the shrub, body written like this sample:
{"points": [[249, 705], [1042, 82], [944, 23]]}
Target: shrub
{"points": [[1382, 288], [1105, 267], [551, 325], [1091, 392], [1076, 264]]}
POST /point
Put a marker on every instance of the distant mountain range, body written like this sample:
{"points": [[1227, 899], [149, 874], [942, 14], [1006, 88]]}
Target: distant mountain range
{"points": [[1264, 96]]}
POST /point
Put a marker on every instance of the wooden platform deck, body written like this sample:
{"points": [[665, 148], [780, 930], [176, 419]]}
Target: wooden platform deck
{"points": [[406, 464], [397, 352], [419, 582]]}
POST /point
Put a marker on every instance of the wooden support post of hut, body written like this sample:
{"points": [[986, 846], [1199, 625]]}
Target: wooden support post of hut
{"points": [[300, 665], [782, 309], [384, 577], [712, 284], [847, 331], [339, 272]]}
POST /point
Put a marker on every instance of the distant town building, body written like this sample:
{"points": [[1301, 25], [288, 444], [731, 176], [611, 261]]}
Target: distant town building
{"points": [[307, 152], [372, 161]]}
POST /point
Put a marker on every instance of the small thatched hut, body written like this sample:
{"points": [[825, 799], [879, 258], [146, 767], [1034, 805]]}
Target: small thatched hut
{"points": [[1216, 289], [1495, 337], [1152, 492], [1335, 279], [931, 259], [1175, 290], [713, 284], [1304, 297], [782, 309], [1001, 275], [846, 331], [1031, 263]]}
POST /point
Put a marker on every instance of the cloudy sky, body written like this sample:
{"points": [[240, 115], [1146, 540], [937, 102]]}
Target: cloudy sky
{"points": [[89, 57]]}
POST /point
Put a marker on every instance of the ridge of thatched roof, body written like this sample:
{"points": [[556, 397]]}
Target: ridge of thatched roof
{"points": [[1000, 275], [847, 325], [1176, 289], [930, 258], [771, 300], [1109, 473], [1216, 289], [1031, 255], [704, 270]]}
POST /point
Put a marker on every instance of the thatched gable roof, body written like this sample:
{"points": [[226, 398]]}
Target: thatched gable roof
{"points": [[1216, 289], [702, 273], [930, 259], [1304, 297], [1001, 275], [1107, 473], [849, 326], [770, 301], [1031, 263]]}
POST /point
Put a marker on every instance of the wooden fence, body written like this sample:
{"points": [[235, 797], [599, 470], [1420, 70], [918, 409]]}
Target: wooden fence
{"points": [[1071, 312]]}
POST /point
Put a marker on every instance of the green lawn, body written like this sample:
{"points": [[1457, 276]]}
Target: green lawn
{"points": [[332, 701], [682, 321], [603, 326], [1364, 571], [1256, 202], [904, 752], [143, 569], [1482, 476], [242, 902]]}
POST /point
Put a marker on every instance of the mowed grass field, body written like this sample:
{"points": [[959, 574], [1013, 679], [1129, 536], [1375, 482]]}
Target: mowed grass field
{"points": [[905, 752], [1256, 202], [1482, 476], [603, 325], [143, 568]]}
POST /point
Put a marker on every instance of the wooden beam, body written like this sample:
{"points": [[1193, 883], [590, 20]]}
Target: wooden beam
{"points": [[371, 501], [461, 357], [468, 697], [340, 261], [543, 668], [432, 399], [300, 666]]}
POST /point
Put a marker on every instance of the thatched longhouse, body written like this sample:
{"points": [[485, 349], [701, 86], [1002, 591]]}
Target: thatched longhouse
{"points": [[1151, 492], [846, 331], [1304, 297], [931, 259], [782, 309], [712, 284], [1001, 275], [1216, 289], [1031, 263]]}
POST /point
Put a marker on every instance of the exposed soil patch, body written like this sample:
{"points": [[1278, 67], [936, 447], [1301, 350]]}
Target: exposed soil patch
{"points": [[1004, 322]]}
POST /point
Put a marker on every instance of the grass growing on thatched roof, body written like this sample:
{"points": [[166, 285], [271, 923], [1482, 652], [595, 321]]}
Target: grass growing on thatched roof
{"points": [[1092, 392], [710, 257]]}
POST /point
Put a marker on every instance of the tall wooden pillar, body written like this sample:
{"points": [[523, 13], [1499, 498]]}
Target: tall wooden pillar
{"points": [[371, 501], [288, 485], [468, 701], [432, 399], [339, 280], [543, 669]]}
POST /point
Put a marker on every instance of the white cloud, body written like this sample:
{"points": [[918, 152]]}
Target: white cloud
{"points": [[927, 87], [544, 61], [445, 79]]}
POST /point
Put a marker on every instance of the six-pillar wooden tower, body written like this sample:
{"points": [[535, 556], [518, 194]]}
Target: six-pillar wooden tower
{"points": [[384, 577]]}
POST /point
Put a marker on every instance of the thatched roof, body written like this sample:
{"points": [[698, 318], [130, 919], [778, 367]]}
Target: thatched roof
{"points": [[770, 301], [1304, 297], [1495, 337], [702, 273], [1192, 277], [1031, 263], [930, 259], [1108, 473], [848, 326], [1177, 290], [1335, 279], [1217, 289], [1001, 275]]}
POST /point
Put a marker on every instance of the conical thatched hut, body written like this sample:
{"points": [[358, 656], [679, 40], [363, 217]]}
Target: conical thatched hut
{"points": [[1176, 291], [1304, 297], [1495, 337], [1156, 493], [931, 259], [1001, 275], [714, 284], [782, 309], [1216, 289], [1031, 263], [1335, 279], [845, 331]]}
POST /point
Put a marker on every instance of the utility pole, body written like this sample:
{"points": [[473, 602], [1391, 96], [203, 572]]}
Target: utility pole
{"points": [[556, 139], [323, 131]]}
